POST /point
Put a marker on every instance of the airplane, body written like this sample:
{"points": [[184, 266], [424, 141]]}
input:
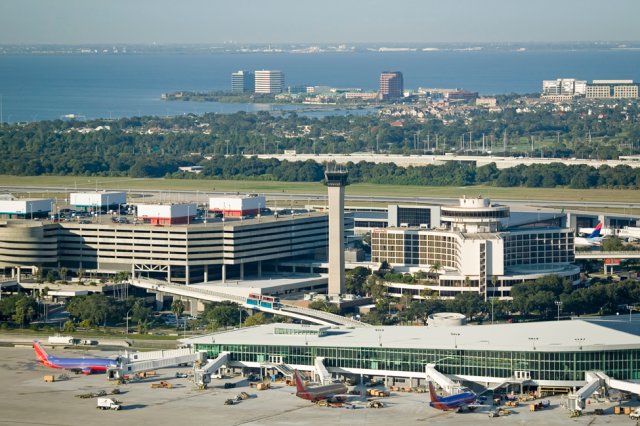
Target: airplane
{"points": [[80, 365], [594, 239], [334, 392], [459, 401]]}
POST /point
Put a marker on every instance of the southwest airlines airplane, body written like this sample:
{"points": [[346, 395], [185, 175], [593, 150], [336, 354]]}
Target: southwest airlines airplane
{"points": [[83, 365], [460, 401]]}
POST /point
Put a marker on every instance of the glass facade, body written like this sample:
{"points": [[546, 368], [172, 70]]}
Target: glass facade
{"points": [[412, 247], [531, 248], [543, 366]]}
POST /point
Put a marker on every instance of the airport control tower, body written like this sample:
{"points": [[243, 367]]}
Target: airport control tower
{"points": [[336, 181]]}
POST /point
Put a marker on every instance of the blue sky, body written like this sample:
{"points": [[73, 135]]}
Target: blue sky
{"points": [[316, 21]]}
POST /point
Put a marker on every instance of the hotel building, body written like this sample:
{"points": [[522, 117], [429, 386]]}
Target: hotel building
{"points": [[477, 248]]}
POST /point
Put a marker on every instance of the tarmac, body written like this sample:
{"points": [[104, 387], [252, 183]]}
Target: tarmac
{"points": [[25, 399]]}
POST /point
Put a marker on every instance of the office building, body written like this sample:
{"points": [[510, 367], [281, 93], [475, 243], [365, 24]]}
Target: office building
{"points": [[478, 248], [269, 81], [564, 86], [243, 82], [391, 85], [612, 89]]}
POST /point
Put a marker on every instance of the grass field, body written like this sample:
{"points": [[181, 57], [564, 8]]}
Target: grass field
{"points": [[243, 186]]}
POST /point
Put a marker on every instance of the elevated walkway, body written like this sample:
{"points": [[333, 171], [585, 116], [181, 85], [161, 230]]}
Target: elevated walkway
{"points": [[202, 375], [596, 380], [310, 315], [148, 356], [285, 370], [321, 371], [169, 359], [448, 385]]}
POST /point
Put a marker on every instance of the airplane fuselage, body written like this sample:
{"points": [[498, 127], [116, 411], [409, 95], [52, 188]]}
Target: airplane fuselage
{"points": [[322, 392], [454, 401]]}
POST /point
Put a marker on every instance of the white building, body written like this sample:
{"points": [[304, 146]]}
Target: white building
{"points": [[475, 251], [167, 214], [238, 205], [269, 81], [25, 209], [97, 200]]}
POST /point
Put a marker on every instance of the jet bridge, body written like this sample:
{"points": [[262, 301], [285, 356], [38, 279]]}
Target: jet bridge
{"points": [[596, 380], [321, 371], [138, 362], [448, 385], [202, 373]]}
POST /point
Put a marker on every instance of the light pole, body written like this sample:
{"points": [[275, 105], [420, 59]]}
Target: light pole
{"points": [[455, 339], [630, 307], [240, 320], [558, 304], [533, 341], [127, 318]]}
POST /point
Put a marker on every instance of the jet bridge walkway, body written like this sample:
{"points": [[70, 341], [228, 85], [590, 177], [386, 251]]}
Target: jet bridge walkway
{"points": [[443, 381], [202, 374], [154, 360], [596, 380]]}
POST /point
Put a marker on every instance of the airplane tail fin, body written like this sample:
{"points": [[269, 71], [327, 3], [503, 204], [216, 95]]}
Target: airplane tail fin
{"points": [[596, 231], [299, 384], [41, 354], [432, 393]]}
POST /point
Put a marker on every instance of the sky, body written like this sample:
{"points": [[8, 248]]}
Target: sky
{"points": [[316, 21]]}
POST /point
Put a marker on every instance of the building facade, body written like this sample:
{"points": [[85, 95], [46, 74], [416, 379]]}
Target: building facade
{"points": [[269, 81], [178, 253], [615, 89], [391, 85], [475, 251], [535, 354], [243, 82]]}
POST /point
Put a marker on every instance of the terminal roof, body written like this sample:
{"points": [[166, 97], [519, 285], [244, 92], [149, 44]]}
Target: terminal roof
{"points": [[550, 336]]}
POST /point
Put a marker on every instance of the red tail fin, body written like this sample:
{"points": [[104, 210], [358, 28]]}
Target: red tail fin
{"points": [[432, 393], [299, 385], [41, 355]]}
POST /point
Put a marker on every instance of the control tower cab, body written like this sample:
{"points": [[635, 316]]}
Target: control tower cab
{"points": [[475, 215]]}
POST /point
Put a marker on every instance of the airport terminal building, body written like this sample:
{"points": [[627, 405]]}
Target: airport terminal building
{"points": [[553, 354]]}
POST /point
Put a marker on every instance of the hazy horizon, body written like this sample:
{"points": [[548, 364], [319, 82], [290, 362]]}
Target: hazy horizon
{"points": [[163, 22]]}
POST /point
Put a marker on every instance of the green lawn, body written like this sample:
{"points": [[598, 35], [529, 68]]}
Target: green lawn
{"points": [[84, 183]]}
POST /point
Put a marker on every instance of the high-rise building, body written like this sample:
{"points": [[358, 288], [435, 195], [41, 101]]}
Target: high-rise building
{"points": [[269, 81], [391, 85], [617, 89], [242, 82]]}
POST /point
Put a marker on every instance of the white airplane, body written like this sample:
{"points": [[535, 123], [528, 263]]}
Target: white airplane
{"points": [[593, 240]]}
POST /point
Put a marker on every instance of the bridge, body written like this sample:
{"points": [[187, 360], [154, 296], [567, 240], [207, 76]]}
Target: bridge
{"points": [[284, 309], [607, 254]]}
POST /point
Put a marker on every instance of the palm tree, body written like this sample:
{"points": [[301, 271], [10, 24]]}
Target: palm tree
{"points": [[435, 267], [177, 307]]}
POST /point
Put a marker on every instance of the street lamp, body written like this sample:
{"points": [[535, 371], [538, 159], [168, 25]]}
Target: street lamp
{"points": [[240, 320], [558, 304], [455, 339], [533, 341]]}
